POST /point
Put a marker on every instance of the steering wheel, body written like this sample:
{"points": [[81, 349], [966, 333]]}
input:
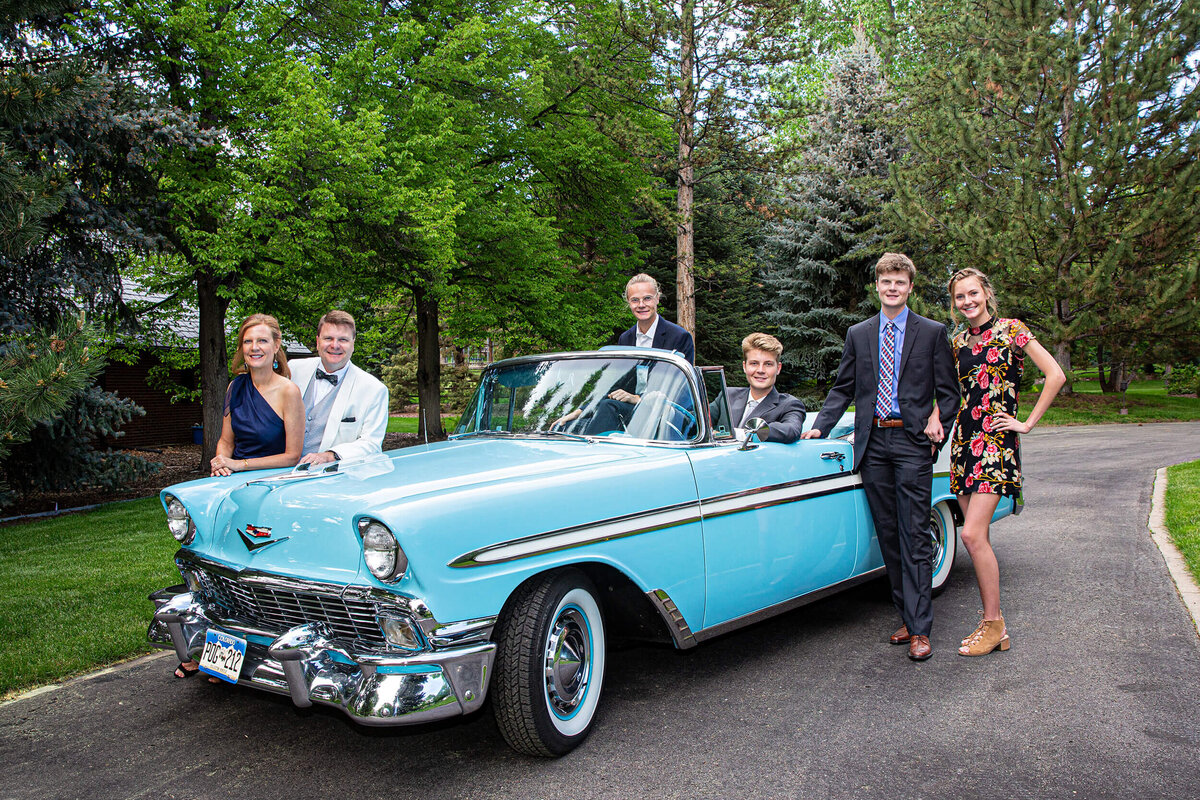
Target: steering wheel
{"points": [[683, 428]]}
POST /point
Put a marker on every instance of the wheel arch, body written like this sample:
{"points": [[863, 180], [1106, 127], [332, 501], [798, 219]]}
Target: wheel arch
{"points": [[629, 615]]}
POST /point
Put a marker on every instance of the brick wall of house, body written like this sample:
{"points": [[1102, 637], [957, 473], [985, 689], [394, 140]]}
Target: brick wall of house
{"points": [[165, 422]]}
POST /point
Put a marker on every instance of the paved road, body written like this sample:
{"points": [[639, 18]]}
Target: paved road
{"points": [[1099, 696]]}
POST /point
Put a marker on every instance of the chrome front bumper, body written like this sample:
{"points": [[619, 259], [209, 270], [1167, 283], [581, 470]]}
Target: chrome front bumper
{"points": [[312, 665]]}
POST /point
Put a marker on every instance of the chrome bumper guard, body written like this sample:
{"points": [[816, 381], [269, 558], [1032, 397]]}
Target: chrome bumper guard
{"points": [[311, 665]]}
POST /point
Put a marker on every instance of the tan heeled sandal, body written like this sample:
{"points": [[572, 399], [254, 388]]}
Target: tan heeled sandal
{"points": [[990, 635], [975, 632]]}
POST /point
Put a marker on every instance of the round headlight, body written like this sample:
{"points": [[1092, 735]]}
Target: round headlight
{"points": [[179, 521], [381, 551]]}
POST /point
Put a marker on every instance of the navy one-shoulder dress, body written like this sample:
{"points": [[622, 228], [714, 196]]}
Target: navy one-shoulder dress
{"points": [[257, 430]]}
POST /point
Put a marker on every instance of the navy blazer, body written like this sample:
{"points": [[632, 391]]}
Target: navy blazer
{"points": [[668, 336], [782, 412], [927, 373]]}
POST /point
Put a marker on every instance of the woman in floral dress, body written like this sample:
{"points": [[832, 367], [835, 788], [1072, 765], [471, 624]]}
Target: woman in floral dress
{"points": [[985, 454]]}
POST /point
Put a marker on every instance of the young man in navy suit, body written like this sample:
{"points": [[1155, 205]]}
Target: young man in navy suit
{"points": [[894, 366], [784, 414]]}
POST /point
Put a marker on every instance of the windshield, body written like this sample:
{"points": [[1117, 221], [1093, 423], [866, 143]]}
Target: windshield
{"points": [[616, 396]]}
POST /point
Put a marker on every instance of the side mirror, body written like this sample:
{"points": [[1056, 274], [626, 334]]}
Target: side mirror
{"points": [[757, 431]]}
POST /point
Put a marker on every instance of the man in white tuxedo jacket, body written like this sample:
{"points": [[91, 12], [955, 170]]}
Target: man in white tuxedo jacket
{"points": [[345, 408]]}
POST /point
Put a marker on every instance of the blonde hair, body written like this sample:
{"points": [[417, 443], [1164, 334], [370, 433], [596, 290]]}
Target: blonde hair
{"points": [[642, 277], [238, 364], [896, 262], [764, 342], [971, 272]]}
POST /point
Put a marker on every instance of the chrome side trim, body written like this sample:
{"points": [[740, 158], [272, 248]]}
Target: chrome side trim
{"points": [[787, 605], [681, 632], [659, 519], [587, 533]]}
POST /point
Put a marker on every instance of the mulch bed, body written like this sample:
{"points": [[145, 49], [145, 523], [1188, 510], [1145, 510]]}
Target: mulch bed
{"points": [[179, 463]]}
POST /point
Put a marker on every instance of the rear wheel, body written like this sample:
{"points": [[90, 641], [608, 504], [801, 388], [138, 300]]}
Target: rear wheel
{"points": [[549, 664], [945, 544]]}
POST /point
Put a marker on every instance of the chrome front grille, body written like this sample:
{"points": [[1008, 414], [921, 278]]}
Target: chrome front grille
{"points": [[278, 609]]}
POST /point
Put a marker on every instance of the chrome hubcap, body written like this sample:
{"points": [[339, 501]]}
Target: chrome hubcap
{"points": [[939, 540], [568, 661]]}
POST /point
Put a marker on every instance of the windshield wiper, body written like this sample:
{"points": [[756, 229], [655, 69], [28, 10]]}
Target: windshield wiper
{"points": [[484, 432], [565, 434]]}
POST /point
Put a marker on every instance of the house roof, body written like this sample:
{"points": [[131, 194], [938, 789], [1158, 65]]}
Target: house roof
{"points": [[177, 325]]}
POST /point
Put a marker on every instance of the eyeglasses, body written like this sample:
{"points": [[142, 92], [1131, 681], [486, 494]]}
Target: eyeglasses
{"points": [[645, 300]]}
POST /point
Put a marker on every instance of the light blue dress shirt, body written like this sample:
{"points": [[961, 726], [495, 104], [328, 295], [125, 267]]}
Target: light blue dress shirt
{"points": [[900, 321]]}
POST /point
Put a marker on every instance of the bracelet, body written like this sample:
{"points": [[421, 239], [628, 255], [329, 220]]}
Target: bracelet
{"points": [[245, 464]]}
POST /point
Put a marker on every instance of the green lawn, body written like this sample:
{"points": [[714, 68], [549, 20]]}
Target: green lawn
{"points": [[1183, 512], [1146, 401], [409, 424], [75, 590]]}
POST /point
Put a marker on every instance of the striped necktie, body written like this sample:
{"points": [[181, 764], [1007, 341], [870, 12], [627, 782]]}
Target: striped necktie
{"points": [[887, 367]]}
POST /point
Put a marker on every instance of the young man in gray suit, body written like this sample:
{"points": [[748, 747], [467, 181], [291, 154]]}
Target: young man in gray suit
{"points": [[345, 408], [784, 414], [894, 366]]}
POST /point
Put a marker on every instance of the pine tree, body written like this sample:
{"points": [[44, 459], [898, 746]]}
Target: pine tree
{"points": [[819, 256], [1056, 147], [76, 197]]}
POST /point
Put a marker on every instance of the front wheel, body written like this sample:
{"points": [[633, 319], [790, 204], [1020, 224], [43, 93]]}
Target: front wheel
{"points": [[549, 664], [945, 544]]}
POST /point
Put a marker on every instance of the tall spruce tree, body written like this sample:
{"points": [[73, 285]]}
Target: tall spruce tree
{"points": [[1056, 148], [77, 197], [818, 256]]}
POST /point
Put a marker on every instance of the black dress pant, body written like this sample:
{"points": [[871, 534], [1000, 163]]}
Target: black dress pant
{"points": [[897, 476]]}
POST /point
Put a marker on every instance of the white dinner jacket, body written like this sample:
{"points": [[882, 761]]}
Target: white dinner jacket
{"points": [[358, 419]]}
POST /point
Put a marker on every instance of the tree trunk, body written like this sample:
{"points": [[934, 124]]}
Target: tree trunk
{"points": [[1062, 354], [429, 366], [214, 369], [685, 245], [1104, 376]]}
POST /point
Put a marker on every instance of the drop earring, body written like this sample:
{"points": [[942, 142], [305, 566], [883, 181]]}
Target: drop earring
{"points": [[276, 364]]}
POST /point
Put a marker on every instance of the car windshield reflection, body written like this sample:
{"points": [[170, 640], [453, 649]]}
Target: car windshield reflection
{"points": [[614, 396]]}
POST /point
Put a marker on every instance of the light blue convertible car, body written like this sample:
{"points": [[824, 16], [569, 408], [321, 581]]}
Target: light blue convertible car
{"points": [[407, 587]]}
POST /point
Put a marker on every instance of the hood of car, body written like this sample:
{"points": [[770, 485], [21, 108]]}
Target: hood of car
{"points": [[292, 523]]}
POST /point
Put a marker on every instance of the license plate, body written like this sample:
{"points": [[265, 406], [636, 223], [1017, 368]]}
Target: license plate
{"points": [[223, 655]]}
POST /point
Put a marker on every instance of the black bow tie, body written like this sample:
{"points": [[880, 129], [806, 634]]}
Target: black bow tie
{"points": [[322, 375]]}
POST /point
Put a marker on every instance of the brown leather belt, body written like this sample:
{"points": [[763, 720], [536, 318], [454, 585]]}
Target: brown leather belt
{"points": [[889, 422]]}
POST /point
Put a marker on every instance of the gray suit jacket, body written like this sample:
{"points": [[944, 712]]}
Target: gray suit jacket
{"points": [[927, 373], [782, 412]]}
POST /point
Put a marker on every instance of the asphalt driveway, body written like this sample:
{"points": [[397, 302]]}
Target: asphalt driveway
{"points": [[1098, 697]]}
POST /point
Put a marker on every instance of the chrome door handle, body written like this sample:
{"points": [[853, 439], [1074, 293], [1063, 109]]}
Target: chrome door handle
{"points": [[837, 456]]}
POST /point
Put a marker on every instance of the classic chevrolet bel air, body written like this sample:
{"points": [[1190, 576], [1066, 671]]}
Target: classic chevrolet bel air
{"points": [[406, 587]]}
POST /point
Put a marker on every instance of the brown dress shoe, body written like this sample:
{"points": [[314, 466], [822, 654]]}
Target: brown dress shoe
{"points": [[919, 648], [900, 636]]}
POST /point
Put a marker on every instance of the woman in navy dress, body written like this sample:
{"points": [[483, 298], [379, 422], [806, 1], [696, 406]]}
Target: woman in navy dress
{"points": [[985, 456], [263, 425]]}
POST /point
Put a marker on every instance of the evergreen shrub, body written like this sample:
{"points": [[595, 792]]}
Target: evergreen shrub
{"points": [[1185, 379], [62, 454]]}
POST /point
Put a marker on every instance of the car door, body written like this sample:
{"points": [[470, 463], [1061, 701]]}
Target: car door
{"points": [[779, 521]]}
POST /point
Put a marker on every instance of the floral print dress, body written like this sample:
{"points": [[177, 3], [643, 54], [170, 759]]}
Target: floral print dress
{"points": [[990, 359]]}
